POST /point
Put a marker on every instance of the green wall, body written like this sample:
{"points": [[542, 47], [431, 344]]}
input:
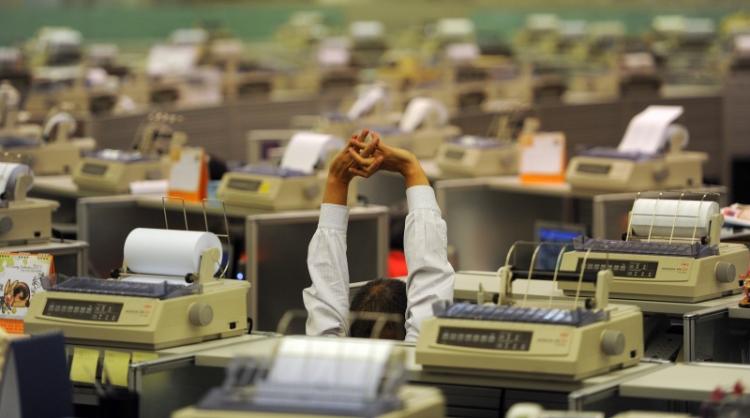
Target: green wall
{"points": [[105, 23], [258, 20]]}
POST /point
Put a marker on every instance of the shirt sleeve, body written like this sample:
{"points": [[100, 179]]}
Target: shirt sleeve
{"points": [[327, 299], [431, 276]]}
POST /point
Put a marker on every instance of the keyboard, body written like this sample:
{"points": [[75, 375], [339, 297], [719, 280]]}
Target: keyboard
{"points": [[571, 317]]}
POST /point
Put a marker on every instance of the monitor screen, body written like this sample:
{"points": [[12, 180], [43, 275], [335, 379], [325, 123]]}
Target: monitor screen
{"points": [[558, 236]]}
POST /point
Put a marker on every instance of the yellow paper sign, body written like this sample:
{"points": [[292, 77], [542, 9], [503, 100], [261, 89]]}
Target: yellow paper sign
{"points": [[116, 368], [83, 367], [139, 356]]}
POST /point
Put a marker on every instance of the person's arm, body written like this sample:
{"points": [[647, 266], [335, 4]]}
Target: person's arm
{"points": [[425, 238], [327, 299], [431, 276]]}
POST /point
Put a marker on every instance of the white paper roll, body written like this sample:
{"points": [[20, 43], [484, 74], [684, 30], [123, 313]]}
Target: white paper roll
{"points": [[9, 174], [664, 213], [419, 109], [167, 252]]}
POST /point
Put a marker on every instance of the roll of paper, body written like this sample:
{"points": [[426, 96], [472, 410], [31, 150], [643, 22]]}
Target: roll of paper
{"points": [[686, 216], [9, 174], [419, 109], [168, 252]]}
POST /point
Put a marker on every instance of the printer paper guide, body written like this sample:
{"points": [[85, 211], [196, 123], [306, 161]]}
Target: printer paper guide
{"points": [[647, 130], [305, 149], [331, 363]]}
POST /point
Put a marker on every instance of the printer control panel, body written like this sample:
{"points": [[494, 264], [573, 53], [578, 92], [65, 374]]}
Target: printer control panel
{"points": [[593, 168], [94, 169], [492, 339], [623, 268], [245, 185], [83, 310], [454, 154]]}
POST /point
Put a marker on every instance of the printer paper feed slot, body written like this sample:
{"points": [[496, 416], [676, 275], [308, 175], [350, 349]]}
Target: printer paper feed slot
{"points": [[647, 131], [143, 278], [306, 149], [420, 110], [366, 102]]}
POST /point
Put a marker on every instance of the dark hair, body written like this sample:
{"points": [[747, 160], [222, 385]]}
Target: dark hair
{"points": [[22, 289], [380, 296]]}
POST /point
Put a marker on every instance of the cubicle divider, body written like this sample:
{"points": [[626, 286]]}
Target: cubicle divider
{"points": [[603, 124], [275, 244], [485, 216], [736, 152], [220, 129], [277, 257]]}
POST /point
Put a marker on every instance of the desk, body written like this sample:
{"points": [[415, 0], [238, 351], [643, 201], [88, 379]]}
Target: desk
{"points": [[170, 382], [485, 216], [718, 333], [466, 395], [685, 382]]}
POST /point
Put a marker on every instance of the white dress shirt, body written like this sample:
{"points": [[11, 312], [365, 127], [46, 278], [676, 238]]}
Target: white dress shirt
{"points": [[425, 244]]}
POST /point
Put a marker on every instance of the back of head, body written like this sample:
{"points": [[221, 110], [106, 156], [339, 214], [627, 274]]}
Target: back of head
{"points": [[386, 296]]}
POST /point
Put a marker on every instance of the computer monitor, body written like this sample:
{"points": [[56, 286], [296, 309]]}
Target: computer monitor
{"points": [[554, 233]]}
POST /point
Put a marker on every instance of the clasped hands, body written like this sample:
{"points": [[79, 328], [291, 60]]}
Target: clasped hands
{"points": [[360, 158]]}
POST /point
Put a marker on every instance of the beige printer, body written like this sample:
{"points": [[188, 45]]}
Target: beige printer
{"points": [[649, 157], [11, 115], [320, 377], [48, 150], [22, 220], [112, 171], [297, 183], [473, 156], [532, 339], [422, 129], [371, 106], [58, 152], [167, 294], [671, 252]]}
